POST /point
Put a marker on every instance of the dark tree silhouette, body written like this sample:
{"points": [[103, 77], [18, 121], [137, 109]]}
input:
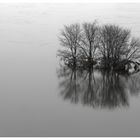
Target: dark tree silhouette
{"points": [[70, 38], [114, 41], [116, 46], [90, 41]]}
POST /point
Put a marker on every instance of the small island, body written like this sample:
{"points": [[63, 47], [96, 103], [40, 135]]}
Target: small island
{"points": [[106, 47]]}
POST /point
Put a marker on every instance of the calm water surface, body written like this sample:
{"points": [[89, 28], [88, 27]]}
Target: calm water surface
{"points": [[38, 98]]}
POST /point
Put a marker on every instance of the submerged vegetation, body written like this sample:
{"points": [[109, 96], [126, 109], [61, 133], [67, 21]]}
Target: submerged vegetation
{"points": [[101, 47]]}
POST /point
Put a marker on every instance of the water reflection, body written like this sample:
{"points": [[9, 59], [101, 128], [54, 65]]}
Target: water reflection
{"points": [[103, 89]]}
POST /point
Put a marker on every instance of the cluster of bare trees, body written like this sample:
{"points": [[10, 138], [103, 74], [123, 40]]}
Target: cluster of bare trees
{"points": [[90, 43]]}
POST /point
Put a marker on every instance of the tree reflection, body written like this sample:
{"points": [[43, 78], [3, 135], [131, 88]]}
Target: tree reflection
{"points": [[96, 88], [70, 83]]}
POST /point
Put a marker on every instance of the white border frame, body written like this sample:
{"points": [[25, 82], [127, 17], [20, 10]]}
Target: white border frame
{"points": [[70, 1]]}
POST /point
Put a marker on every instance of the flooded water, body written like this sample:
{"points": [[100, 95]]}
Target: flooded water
{"points": [[40, 98]]}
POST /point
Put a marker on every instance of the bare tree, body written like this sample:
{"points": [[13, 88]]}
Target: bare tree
{"points": [[133, 50], [70, 39], [89, 41], [114, 42]]}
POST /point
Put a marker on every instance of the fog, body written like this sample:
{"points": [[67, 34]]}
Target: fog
{"points": [[30, 99]]}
